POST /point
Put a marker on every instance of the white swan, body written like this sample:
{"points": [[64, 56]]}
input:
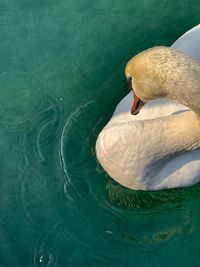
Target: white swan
{"points": [[159, 147]]}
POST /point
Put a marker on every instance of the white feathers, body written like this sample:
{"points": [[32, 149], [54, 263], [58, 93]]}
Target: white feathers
{"points": [[150, 151]]}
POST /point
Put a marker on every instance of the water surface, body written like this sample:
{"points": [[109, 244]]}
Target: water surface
{"points": [[61, 75]]}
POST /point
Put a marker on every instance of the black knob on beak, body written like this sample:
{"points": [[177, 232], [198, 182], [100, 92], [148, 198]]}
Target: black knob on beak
{"points": [[129, 81]]}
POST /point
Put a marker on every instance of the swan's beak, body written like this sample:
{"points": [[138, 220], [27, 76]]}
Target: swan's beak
{"points": [[137, 103]]}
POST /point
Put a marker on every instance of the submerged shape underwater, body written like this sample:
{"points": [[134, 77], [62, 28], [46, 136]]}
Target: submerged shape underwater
{"points": [[62, 74]]}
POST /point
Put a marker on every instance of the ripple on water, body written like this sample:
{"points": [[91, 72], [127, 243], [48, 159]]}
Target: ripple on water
{"points": [[29, 141], [76, 151], [19, 104], [132, 221], [44, 259]]}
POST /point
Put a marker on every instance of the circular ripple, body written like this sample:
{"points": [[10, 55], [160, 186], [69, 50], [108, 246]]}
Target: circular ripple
{"points": [[44, 259], [19, 104], [76, 151], [133, 222]]}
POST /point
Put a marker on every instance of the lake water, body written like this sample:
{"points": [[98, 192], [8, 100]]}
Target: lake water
{"points": [[61, 75]]}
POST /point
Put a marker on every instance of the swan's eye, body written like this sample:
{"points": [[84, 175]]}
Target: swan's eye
{"points": [[129, 81]]}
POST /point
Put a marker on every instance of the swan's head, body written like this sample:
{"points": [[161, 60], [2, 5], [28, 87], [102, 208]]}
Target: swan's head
{"points": [[144, 76], [151, 73]]}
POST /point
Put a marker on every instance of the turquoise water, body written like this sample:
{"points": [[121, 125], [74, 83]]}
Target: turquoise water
{"points": [[61, 75]]}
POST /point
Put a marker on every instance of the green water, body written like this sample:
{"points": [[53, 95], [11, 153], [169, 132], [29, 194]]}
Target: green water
{"points": [[61, 75]]}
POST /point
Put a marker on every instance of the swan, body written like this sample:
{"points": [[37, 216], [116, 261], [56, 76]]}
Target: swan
{"points": [[158, 148]]}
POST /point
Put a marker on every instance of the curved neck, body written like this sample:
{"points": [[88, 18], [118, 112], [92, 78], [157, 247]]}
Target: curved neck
{"points": [[183, 84], [182, 131], [191, 100]]}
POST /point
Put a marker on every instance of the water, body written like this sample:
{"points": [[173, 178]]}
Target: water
{"points": [[61, 75]]}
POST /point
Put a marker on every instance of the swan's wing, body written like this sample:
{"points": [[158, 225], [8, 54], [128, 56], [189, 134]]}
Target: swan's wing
{"points": [[189, 43], [180, 171]]}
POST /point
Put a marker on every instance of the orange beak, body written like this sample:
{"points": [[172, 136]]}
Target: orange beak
{"points": [[137, 104]]}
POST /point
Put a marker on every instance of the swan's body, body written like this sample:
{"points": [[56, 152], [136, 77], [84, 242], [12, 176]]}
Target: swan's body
{"points": [[158, 148]]}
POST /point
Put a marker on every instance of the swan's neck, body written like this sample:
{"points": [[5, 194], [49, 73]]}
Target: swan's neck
{"points": [[183, 84], [180, 132]]}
